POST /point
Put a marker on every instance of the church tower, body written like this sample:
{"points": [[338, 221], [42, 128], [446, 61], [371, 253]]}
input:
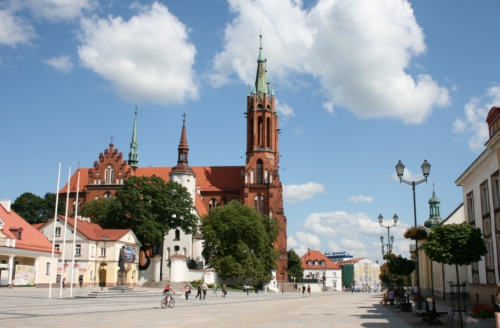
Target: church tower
{"points": [[262, 186], [434, 216], [133, 155], [182, 172]]}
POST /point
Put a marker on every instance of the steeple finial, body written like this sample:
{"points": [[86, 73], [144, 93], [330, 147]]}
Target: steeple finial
{"points": [[133, 155], [183, 150]]}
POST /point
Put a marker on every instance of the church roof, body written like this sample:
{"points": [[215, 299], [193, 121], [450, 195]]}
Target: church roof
{"points": [[73, 182], [31, 238]]}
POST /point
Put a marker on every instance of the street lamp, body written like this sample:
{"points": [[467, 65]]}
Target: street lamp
{"points": [[104, 239], [389, 226], [426, 169], [323, 268], [283, 258]]}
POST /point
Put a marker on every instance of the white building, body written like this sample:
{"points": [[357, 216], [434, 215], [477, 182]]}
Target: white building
{"points": [[316, 266]]}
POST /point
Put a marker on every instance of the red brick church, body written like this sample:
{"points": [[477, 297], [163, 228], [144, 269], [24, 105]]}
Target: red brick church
{"points": [[256, 183]]}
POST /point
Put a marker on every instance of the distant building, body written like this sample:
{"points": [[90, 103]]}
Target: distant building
{"points": [[316, 266], [361, 273], [338, 256]]}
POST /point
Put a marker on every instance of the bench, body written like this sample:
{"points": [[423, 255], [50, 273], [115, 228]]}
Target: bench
{"points": [[430, 316], [404, 303]]}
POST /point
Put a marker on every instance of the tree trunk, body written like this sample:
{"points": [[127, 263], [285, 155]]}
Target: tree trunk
{"points": [[460, 319]]}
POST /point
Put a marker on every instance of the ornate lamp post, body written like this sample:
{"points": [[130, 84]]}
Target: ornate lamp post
{"points": [[283, 258], [426, 169], [323, 268], [104, 239], [388, 226]]}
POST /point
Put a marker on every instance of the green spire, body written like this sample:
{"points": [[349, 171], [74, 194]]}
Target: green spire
{"points": [[434, 217], [261, 83], [133, 155]]}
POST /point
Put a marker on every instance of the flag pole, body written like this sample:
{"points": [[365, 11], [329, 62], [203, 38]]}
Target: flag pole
{"points": [[74, 236], [54, 233], [64, 238]]}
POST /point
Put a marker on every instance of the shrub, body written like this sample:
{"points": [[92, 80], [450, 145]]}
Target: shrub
{"points": [[482, 311]]}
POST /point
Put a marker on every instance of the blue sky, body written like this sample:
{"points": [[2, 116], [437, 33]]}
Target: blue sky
{"points": [[360, 85]]}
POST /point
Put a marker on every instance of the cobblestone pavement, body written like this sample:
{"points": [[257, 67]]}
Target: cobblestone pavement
{"points": [[31, 307]]}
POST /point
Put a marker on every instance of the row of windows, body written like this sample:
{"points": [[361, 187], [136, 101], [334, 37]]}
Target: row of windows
{"points": [[322, 262], [485, 199], [78, 250], [109, 177], [260, 176]]}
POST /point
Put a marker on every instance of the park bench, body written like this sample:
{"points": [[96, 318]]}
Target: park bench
{"points": [[431, 316], [404, 302]]}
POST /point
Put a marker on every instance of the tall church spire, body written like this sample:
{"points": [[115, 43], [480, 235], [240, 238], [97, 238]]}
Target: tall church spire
{"points": [[261, 83], [133, 155], [183, 151]]}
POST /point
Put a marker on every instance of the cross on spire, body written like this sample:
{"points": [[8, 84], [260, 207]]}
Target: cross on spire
{"points": [[184, 119], [112, 139]]}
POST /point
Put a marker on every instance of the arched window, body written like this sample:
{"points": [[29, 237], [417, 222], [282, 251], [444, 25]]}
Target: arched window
{"points": [[246, 178], [270, 177], [252, 181], [258, 204], [266, 176], [177, 234], [108, 195], [109, 175], [212, 204], [268, 130], [95, 181], [271, 213], [259, 171], [259, 132]]}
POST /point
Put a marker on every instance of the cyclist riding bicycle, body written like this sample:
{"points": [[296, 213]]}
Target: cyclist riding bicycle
{"points": [[168, 291]]}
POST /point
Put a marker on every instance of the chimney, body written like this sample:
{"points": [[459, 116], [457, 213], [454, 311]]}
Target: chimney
{"points": [[6, 204]]}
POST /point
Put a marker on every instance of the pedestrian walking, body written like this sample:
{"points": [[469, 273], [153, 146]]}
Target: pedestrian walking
{"points": [[224, 290], [80, 281], [214, 290], [303, 291], [64, 283], [308, 290], [265, 289], [199, 292], [187, 291], [204, 289], [244, 288]]}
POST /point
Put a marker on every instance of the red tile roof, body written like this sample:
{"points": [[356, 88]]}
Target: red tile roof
{"points": [[31, 238], [84, 179], [91, 230], [200, 207], [315, 255]]}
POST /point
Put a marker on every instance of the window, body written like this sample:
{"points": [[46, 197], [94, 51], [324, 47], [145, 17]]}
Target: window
{"points": [[474, 266], [103, 251], [58, 231], [266, 176], [470, 207], [246, 178], [19, 232], [258, 204], [212, 204], [495, 186], [259, 171], [485, 203], [109, 175], [108, 195], [177, 234], [489, 255], [252, 177], [259, 132], [335, 275], [270, 178], [47, 268], [56, 246], [78, 249], [92, 249], [268, 130]]}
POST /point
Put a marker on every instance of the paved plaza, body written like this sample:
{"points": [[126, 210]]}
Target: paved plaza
{"points": [[31, 307]]}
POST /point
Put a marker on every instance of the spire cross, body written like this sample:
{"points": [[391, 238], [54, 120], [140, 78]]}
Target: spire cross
{"points": [[135, 110], [184, 119], [112, 139]]}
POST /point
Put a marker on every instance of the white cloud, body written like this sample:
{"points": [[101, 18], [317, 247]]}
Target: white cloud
{"points": [[408, 176], [358, 50], [360, 198], [299, 193], [309, 240], [62, 64], [328, 106], [298, 130], [14, 30], [148, 58], [474, 123], [55, 10], [284, 109]]}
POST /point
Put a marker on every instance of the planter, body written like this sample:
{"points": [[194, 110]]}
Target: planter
{"points": [[480, 323]]}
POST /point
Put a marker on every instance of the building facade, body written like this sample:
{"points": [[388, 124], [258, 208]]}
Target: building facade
{"points": [[255, 183], [316, 266]]}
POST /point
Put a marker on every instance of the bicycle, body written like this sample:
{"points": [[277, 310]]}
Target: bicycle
{"points": [[164, 301]]}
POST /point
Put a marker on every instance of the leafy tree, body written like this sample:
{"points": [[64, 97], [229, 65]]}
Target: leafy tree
{"points": [[31, 207], [239, 242], [384, 276], [97, 209], [50, 201], [401, 267], [295, 268], [455, 244], [150, 207], [192, 264]]}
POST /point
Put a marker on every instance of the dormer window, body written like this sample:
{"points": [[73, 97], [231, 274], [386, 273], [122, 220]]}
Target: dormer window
{"points": [[58, 231], [19, 232], [16, 231]]}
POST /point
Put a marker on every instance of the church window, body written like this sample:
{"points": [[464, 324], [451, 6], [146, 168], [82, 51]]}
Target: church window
{"points": [[177, 234], [268, 134], [108, 195], [246, 178], [212, 204], [252, 181], [270, 177], [95, 181], [258, 204], [259, 132], [266, 176], [109, 175], [259, 171]]}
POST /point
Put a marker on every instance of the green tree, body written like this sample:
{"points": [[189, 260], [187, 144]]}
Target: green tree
{"points": [[151, 208], [31, 207], [455, 244], [295, 268], [50, 201], [400, 268], [384, 276], [97, 209], [238, 242]]}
